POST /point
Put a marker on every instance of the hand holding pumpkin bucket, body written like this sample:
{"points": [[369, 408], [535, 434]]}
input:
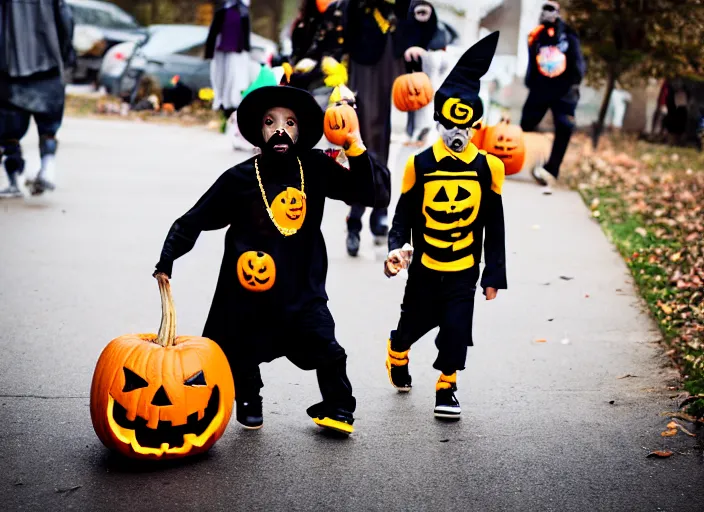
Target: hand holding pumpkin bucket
{"points": [[161, 396]]}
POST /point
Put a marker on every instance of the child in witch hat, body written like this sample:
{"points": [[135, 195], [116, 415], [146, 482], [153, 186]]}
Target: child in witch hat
{"points": [[450, 204], [270, 299]]}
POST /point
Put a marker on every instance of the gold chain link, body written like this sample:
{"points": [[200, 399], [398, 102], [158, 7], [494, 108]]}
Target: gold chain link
{"points": [[283, 231]]}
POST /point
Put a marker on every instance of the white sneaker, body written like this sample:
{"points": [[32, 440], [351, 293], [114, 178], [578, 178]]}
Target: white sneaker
{"points": [[544, 179], [10, 192], [547, 190]]}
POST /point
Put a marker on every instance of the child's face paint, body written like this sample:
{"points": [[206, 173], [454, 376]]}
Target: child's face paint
{"points": [[457, 139], [277, 121]]}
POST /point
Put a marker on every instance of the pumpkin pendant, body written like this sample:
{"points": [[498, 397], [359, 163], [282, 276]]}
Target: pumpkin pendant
{"points": [[256, 271], [161, 396], [288, 210]]}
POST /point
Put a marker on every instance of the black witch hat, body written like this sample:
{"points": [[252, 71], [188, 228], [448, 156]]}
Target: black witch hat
{"points": [[457, 102]]}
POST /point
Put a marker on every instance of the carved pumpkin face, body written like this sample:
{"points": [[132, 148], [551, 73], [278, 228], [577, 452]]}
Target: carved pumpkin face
{"points": [[450, 208], [340, 120], [412, 91], [256, 271], [155, 402], [506, 142], [289, 208]]}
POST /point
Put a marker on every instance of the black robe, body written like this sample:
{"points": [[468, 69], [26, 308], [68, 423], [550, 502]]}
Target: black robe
{"points": [[255, 323]]}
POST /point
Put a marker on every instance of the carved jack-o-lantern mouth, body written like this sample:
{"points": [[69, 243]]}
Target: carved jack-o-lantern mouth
{"points": [[165, 437]]}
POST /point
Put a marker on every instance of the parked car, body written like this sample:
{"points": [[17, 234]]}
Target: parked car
{"points": [[98, 27], [168, 51]]}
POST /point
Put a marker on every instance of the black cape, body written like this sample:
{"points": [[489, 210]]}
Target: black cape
{"points": [[245, 319]]}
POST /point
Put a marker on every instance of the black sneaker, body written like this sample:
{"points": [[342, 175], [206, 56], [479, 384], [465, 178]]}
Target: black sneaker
{"points": [[399, 376], [447, 407], [249, 413], [337, 420], [352, 243]]}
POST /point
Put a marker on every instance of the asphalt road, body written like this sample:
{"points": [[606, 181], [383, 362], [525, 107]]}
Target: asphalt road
{"points": [[546, 426]]}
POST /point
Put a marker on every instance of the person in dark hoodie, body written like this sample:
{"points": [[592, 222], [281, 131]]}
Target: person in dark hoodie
{"points": [[555, 70], [35, 46], [376, 47]]}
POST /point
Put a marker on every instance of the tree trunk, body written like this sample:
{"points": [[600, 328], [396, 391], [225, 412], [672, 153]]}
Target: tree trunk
{"points": [[599, 125], [266, 18]]}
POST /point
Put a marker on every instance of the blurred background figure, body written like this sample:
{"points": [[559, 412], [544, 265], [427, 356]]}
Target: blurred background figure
{"points": [[377, 45], [618, 104], [228, 46], [422, 29], [677, 103], [35, 46], [318, 42], [555, 70]]}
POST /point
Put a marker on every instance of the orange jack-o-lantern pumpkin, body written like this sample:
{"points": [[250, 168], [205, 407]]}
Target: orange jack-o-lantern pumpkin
{"points": [[412, 91], [256, 271], [505, 141], [479, 133], [159, 396], [340, 120], [289, 208]]}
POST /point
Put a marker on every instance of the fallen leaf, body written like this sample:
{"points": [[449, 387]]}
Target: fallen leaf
{"points": [[676, 257], [628, 375], [666, 309], [68, 489], [690, 399], [642, 232], [684, 430], [541, 340], [672, 424], [660, 454], [669, 433]]}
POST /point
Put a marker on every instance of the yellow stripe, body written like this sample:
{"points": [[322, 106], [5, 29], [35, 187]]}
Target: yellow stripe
{"points": [[409, 175], [453, 173], [437, 243], [453, 266]]}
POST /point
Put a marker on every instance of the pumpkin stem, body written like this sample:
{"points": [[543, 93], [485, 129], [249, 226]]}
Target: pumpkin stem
{"points": [[167, 329]]}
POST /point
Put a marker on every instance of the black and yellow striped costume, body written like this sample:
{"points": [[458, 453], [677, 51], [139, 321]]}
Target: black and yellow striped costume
{"points": [[449, 208]]}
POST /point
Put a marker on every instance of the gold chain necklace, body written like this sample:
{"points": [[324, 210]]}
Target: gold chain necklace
{"points": [[283, 231]]}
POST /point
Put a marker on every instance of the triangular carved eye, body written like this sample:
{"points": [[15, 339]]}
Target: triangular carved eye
{"points": [[441, 196], [462, 194], [133, 381], [197, 380]]}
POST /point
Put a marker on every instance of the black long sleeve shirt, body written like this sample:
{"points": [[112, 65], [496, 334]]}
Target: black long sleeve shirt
{"points": [[450, 204]]}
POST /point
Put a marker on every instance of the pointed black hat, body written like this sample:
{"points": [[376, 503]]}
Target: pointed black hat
{"points": [[457, 102]]}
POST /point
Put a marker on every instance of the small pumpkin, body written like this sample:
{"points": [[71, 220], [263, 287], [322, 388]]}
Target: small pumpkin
{"points": [[159, 396], [289, 208], [479, 133], [256, 271], [505, 141], [340, 120], [412, 91]]}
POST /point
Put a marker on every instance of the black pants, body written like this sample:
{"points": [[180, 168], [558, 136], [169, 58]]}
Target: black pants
{"points": [[444, 299], [563, 109], [14, 123], [378, 221], [308, 341]]}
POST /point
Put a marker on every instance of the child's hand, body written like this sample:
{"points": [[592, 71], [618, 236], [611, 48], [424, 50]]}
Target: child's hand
{"points": [[353, 144], [397, 260], [490, 293]]}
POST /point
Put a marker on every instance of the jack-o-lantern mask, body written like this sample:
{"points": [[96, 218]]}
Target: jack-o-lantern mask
{"points": [[289, 208], [256, 271], [161, 396], [506, 141], [450, 208]]}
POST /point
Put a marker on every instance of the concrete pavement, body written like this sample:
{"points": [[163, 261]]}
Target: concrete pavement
{"points": [[546, 426]]}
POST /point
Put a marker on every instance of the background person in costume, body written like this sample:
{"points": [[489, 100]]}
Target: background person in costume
{"points": [[376, 48], [270, 299], [228, 45], [450, 204], [35, 45], [318, 40], [555, 69], [422, 30]]}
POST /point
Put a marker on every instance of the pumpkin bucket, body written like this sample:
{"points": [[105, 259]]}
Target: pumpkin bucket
{"points": [[413, 90], [161, 396]]}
